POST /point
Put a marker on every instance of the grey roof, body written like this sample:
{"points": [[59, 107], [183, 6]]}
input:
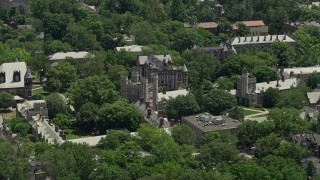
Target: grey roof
{"points": [[313, 97], [9, 69], [153, 119], [74, 55], [185, 68], [314, 160], [261, 39], [28, 74], [92, 141], [283, 85], [150, 59]]}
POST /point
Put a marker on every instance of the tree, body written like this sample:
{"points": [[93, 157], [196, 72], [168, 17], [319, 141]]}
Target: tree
{"points": [[87, 116], [236, 113], [183, 134], [181, 106], [114, 139], [217, 148], [284, 53], [56, 24], [114, 74], [57, 46], [311, 170], [287, 121], [266, 146], [313, 80], [61, 76], [55, 104], [178, 11], [39, 7], [225, 83], [94, 89], [6, 100], [80, 38], [245, 170], [250, 131], [119, 114], [218, 101], [281, 168], [293, 98], [270, 98], [264, 73], [62, 121], [242, 30], [105, 171]]}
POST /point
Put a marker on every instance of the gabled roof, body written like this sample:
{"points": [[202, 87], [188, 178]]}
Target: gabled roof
{"points": [[313, 97], [207, 25], [74, 55]]}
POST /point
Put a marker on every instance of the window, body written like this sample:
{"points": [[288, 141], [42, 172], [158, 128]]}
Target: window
{"points": [[16, 76], [2, 77]]}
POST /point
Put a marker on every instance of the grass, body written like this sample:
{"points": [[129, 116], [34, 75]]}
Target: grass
{"points": [[248, 112], [71, 134], [9, 114], [40, 91]]}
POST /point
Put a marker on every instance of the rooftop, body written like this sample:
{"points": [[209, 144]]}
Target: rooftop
{"points": [[283, 85], [302, 70], [172, 94], [74, 55], [207, 25], [133, 48], [145, 59], [91, 141], [261, 39], [313, 97], [249, 24], [9, 69], [207, 122]]}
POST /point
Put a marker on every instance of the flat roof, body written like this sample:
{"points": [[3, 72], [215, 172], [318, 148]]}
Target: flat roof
{"points": [[283, 85], [172, 94], [302, 70], [194, 120], [133, 48]]}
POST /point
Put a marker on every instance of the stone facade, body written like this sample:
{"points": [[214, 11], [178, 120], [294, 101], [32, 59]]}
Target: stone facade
{"points": [[152, 75], [21, 4]]}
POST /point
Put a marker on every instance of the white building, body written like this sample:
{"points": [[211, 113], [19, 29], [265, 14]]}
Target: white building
{"points": [[301, 73], [133, 49]]}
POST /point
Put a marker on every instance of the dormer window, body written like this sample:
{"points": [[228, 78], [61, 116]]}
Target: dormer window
{"points": [[16, 76], [2, 77]]}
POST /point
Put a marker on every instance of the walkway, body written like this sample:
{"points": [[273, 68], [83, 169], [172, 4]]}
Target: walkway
{"points": [[254, 117]]}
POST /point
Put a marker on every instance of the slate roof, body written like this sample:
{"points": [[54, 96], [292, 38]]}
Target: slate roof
{"points": [[172, 94], [287, 84], [261, 39], [154, 58], [9, 69], [133, 48], [74, 55], [313, 97]]}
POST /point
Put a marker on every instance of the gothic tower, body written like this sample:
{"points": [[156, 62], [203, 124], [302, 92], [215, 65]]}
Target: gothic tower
{"points": [[123, 86], [28, 78], [144, 89], [155, 90]]}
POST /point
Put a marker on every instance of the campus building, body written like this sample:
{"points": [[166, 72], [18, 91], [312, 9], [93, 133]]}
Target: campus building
{"points": [[22, 5], [16, 78]]}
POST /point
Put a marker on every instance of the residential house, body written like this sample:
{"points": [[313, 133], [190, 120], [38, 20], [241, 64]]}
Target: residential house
{"points": [[310, 142]]}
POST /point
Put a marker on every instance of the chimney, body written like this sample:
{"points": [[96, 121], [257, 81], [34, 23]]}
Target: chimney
{"points": [[245, 39], [251, 38], [64, 137], [50, 122], [147, 104], [284, 37], [61, 132], [258, 38], [291, 73], [148, 112], [172, 122], [239, 39], [278, 83], [159, 113], [282, 78], [270, 37], [56, 128], [265, 38], [268, 80], [161, 121], [42, 118], [141, 100]]}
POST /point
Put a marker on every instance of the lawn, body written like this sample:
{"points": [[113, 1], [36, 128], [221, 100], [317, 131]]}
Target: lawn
{"points": [[248, 112], [40, 91], [71, 134]]}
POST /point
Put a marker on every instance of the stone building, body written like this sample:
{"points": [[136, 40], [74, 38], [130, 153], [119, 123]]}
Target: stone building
{"points": [[21, 4], [258, 42], [16, 78], [250, 93], [255, 27], [170, 77]]}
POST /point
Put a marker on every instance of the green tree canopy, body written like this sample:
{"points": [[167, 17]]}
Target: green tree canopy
{"points": [[6, 100], [218, 101], [181, 106]]}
